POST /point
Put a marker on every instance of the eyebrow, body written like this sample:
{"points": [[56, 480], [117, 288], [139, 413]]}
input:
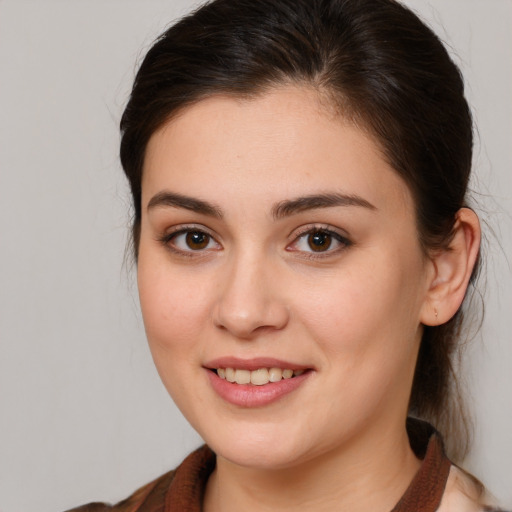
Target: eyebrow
{"points": [[174, 200], [280, 210], [313, 202]]}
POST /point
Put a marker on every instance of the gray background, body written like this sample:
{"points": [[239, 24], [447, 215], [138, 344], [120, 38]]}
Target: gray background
{"points": [[83, 415]]}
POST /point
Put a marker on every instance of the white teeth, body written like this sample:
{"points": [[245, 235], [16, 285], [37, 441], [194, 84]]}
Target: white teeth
{"points": [[242, 376], [275, 374], [258, 377]]}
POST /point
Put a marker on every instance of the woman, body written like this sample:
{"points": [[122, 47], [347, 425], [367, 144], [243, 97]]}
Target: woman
{"points": [[304, 247]]}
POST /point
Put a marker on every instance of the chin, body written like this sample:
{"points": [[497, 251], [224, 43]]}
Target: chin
{"points": [[259, 447], [258, 457]]}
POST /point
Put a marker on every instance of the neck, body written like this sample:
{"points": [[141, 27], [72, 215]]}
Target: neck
{"points": [[338, 480]]}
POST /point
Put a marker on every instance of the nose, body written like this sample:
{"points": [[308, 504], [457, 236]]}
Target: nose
{"points": [[250, 300]]}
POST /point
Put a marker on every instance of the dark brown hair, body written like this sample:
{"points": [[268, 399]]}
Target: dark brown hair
{"points": [[378, 64]]}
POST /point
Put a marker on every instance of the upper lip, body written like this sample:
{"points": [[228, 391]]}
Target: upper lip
{"points": [[253, 363]]}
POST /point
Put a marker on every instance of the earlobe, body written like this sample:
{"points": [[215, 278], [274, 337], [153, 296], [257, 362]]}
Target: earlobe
{"points": [[452, 270]]}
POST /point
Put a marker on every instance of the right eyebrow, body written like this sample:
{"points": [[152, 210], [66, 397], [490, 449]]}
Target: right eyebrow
{"points": [[174, 200], [315, 201]]}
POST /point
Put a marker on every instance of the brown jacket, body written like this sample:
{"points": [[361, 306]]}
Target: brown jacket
{"points": [[182, 489]]}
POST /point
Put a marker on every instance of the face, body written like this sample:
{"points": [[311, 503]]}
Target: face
{"points": [[277, 241]]}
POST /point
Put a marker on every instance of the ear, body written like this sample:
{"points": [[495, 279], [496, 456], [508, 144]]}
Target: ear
{"points": [[452, 268]]}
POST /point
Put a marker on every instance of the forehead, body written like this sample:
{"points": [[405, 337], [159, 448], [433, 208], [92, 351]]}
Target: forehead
{"points": [[285, 142]]}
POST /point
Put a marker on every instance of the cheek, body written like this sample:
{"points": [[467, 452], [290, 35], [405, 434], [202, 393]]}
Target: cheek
{"points": [[174, 320], [174, 306], [373, 307]]}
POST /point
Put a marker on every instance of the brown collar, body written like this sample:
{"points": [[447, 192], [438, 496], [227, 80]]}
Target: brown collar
{"points": [[186, 491], [427, 487], [182, 490]]}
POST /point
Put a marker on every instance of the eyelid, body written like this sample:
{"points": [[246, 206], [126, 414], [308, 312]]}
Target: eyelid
{"points": [[338, 234], [318, 226], [180, 229]]}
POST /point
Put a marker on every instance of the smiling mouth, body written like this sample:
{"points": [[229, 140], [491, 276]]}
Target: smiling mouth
{"points": [[258, 377]]}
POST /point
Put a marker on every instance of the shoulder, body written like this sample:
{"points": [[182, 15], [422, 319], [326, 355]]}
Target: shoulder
{"points": [[183, 485], [464, 493], [153, 492]]}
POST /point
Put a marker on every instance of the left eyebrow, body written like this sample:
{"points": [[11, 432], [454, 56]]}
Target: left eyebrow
{"points": [[328, 200], [166, 198]]}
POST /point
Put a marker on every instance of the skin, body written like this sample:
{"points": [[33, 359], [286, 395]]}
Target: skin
{"points": [[352, 314]]}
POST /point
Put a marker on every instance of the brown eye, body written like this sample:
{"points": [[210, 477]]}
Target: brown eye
{"points": [[322, 241], [196, 240], [189, 241], [319, 241]]}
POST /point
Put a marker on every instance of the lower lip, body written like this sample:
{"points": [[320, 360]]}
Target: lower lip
{"points": [[247, 395]]}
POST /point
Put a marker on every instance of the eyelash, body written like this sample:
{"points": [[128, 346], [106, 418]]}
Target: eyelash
{"points": [[325, 230], [344, 242], [168, 238]]}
